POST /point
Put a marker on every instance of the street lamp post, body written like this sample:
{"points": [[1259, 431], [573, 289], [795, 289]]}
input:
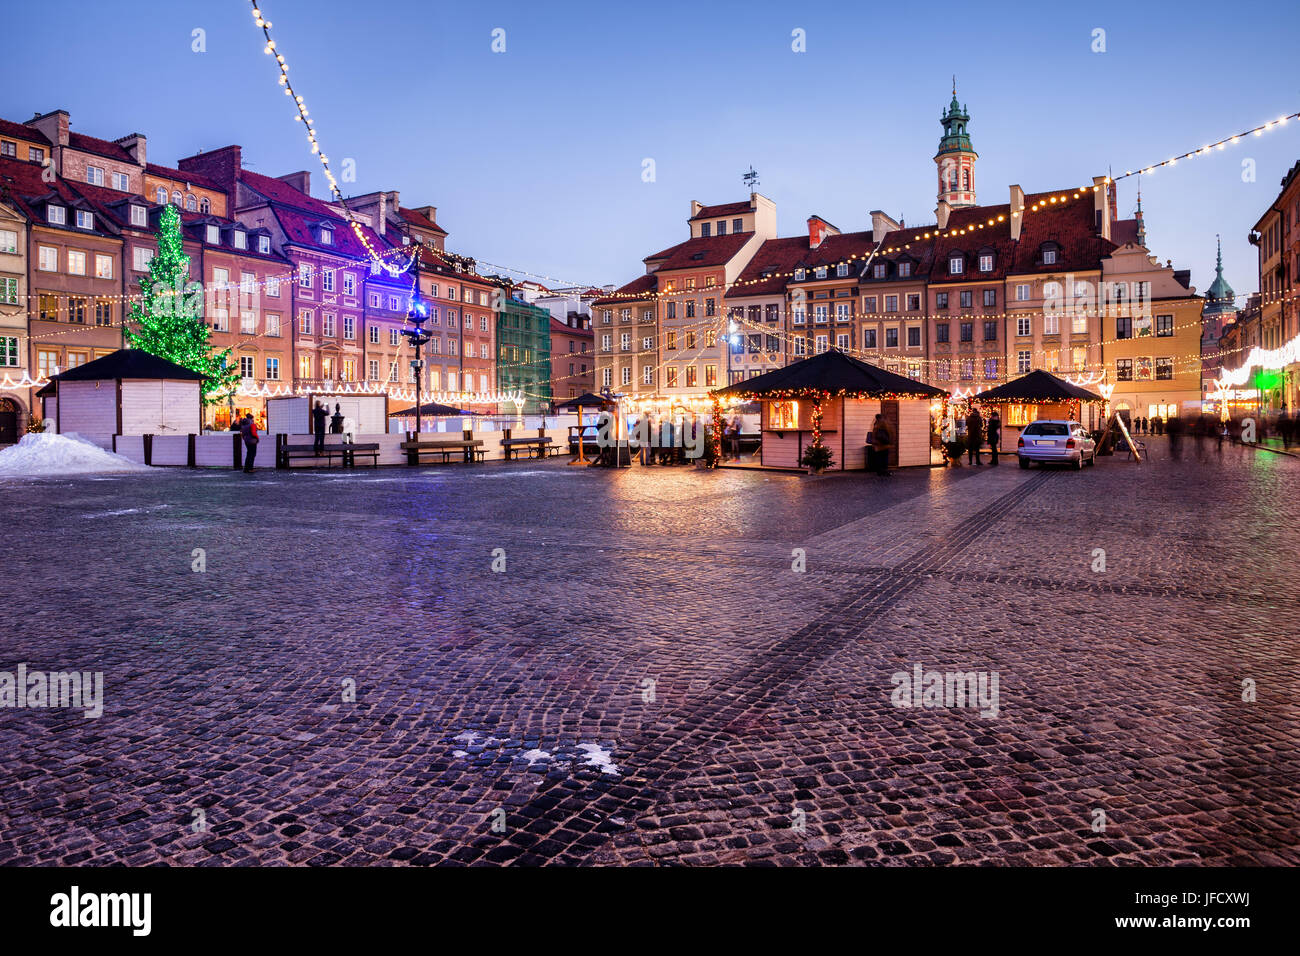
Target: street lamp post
{"points": [[418, 336]]}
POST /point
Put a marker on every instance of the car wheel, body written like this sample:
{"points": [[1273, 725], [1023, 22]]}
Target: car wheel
{"points": [[1024, 462], [1092, 462]]}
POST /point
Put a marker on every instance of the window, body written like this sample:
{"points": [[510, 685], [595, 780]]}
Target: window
{"points": [[205, 207], [943, 369], [842, 269], [800, 274], [305, 321], [304, 275], [1051, 324], [349, 327], [956, 265], [690, 308], [670, 376], [1049, 256], [248, 323], [783, 415], [966, 299], [913, 336], [56, 215], [139, 216], [49, 259], [800, 316], [606, 343], [990, 298], [8, 290], [1022, 325], [394, 337], [214, 235], [247, 283], [672, 340], [842, 312], [1164, 368], [326, 236], [625, 342], [95, 175], [273, 369], [372, 333], [967, 369], [272, 286], [986, 262], [1123, 327], [191, 204], [220, 320], [967, 332], [841, 341], [246, 366], [469, 321], [47, 309], [8, 150], [76, 262], [327, 325], [690, 340], [941, 300], [990, 369], [1164, 325], [327, 280], [1022, 292], [273, 324], [881, 269], [161, 195], [941, 332], [904, 269], [706, 230], [722, 227], [891, 338], [1078, 357], [800, 346], [241, 239], [691, 376], [304, 366], [914, 303], [1022, 361], [85, 220], [647, 376], [77, 309], [264, 244], [482, 323], [1123, 370], [990, 331], [821, 313], [8, 350], [737, 225], [176, 198], [820, 272], [891, 303], [35, 154], [868, 338], [1079, 322]]}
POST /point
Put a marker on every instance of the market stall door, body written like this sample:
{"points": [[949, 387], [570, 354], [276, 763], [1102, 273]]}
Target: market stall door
{"points": [[889, 409], [8, 422]]}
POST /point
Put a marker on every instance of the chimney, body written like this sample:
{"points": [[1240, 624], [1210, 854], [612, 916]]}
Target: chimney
{"points": [[941, 213], [696, 206], [1102, 204], [818, 230], [134, 143], [1017, 212], [221, 165], [53, 125], [882, 225], [301, 181]]}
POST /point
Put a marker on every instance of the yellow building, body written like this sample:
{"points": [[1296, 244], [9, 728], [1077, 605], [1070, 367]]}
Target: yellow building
{"points": [[1151, 336]]}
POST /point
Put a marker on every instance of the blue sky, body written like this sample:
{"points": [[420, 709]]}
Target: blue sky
{"points": [[534, 156]]}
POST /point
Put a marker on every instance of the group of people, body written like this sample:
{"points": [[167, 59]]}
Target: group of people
{"points": [[978, 431]]}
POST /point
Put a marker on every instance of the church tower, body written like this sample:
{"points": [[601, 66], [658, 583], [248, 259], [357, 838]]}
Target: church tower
{"points": [[956, 158]]}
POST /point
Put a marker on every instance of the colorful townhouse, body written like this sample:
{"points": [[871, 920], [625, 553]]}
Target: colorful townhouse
{"points": [[892, 329], [625, 338], [573, 365], [14, 370], [523, 344], [758, 309]]}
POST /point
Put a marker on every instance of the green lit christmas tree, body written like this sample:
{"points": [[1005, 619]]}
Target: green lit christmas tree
{"points": [[167, 319]]}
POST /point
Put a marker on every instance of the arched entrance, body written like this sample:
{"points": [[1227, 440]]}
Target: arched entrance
{"points": [[10, 412]]}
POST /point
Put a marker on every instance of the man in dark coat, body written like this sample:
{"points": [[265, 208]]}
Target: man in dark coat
{"points": [[318, 426], [882, 440], [995, 436], [248, 428], [974, 436]]}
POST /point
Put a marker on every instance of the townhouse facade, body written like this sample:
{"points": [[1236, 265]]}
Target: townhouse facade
{"points": [[573, 364], [632, 310], [523, 347], [1276, 235]]}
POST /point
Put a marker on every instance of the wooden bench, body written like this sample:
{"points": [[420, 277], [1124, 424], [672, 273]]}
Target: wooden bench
{"points": [[537, 447], [465, 449], [345, 452]]}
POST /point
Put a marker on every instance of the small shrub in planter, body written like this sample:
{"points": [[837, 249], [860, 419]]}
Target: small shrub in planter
{"points": [[817, 459]]}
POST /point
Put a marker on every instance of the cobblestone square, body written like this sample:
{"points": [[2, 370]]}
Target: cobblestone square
{"points": [[646, 679]]}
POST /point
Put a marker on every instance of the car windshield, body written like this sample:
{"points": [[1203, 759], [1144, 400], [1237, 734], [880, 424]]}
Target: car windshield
{"points": [[1047, 428]]}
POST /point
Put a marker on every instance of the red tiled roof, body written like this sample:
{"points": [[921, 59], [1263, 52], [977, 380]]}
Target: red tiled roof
{"points": [[420, 220], [19, 131], [1123, 231], [22, 186], [777, 256], [195, 179], [100, 147], [726, 209], [558, 326], [701, 252], [642, 287], [978, 236], [1071, 226], [300, 214]]}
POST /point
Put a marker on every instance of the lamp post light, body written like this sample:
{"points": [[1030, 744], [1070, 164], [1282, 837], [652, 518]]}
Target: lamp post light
{"points": [[418, 336]]}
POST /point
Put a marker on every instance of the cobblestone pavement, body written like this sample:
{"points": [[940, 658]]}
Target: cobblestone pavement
{"points": [[648, 680]]}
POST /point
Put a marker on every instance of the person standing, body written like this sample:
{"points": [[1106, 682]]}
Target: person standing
{"points": [[995, 436], [974, 436], [318, 427], [882, 440], [248, 428]]}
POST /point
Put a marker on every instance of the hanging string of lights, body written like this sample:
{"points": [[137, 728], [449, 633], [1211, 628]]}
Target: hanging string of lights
{"points": [[1205, 150]]}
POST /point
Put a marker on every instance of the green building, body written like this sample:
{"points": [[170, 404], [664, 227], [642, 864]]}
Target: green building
{"points": [[524, 352]]}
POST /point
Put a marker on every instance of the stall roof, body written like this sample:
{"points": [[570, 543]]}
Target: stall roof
{"points": [[831, 372], [128, 363], [586, 400], [428, 408], [1037, 386]]}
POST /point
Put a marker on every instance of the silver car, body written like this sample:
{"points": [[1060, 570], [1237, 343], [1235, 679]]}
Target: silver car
{"points": [[1055, 440]]}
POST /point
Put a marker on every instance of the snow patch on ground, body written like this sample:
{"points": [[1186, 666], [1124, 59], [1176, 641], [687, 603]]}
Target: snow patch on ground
{"points": [[517, 754], [42, 454]]}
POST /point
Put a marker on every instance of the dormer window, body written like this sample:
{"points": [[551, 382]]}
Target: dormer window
{"points": [[842, 269], [264, 244], [161, 195], [905, 269], [956, 265], [722, 227], [1049, 257], [56, 215], [214, 235], [799, 275], [326, 236], [880, 270], [85, 220], [706, 230], [820, 272], [139, 216], [986, 262], [241, 239]]}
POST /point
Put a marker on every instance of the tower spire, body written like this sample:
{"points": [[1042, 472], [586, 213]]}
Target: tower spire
{"points": [[956, 157], [1141, 222]]}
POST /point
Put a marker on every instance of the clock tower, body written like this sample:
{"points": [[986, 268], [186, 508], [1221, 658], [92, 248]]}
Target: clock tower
{"points": [[956, 158]]}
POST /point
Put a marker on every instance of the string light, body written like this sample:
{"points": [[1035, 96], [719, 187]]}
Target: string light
{"points": [[1220, 144]]}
